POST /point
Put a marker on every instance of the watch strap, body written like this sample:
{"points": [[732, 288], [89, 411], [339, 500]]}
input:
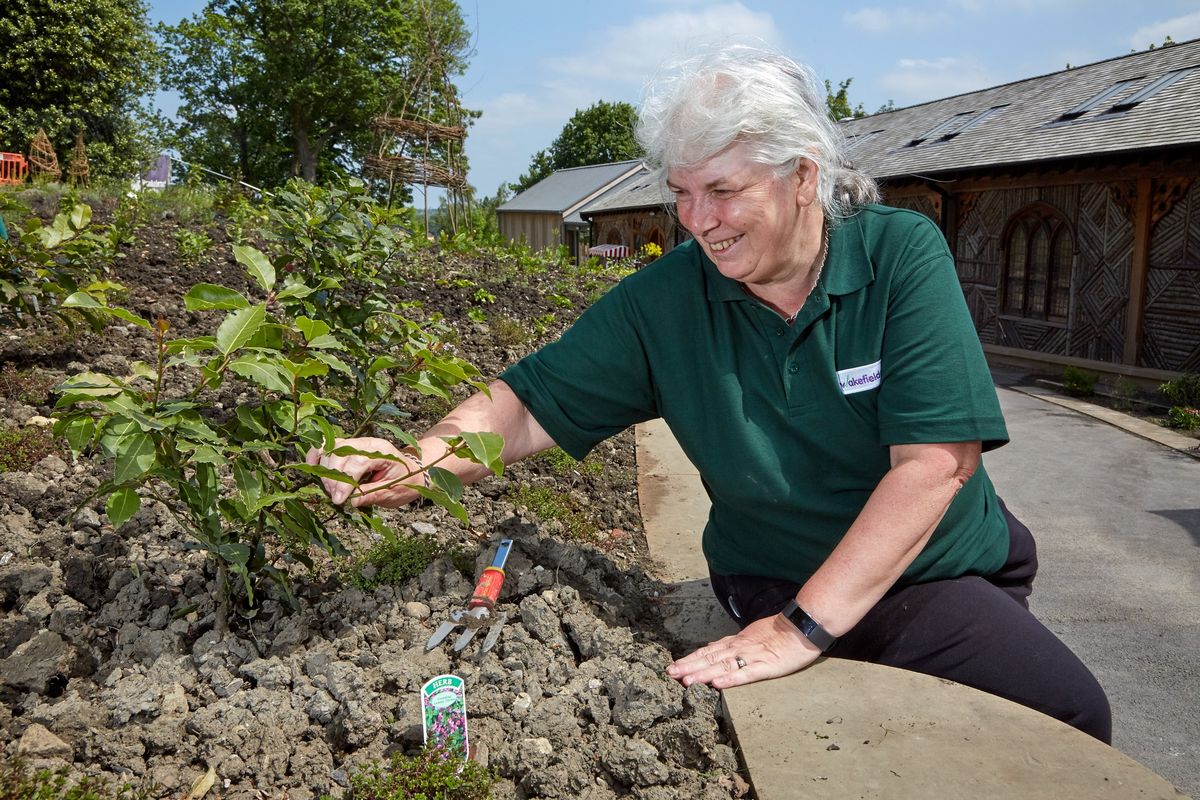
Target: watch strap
{"points": [[811, 629]]}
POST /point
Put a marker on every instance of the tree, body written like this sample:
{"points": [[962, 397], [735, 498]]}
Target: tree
{"points": [[838, 102], [290, 87], [80, 66], [600, 134]]}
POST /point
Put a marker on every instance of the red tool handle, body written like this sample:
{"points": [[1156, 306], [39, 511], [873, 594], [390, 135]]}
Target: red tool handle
{"points": [[487, 591]]}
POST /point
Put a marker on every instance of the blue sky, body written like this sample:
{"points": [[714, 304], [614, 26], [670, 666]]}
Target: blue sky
{"points": [[535, 62]]}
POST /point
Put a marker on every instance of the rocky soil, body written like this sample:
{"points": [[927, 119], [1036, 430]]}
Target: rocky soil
{"points": [[109, 663]]}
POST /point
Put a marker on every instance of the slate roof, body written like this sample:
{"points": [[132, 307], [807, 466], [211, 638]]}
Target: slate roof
{"points": [[1016, 123], [642, 190], [566, 190]]}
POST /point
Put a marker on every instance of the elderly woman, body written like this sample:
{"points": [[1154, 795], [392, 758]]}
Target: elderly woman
{"points": [[813, 354]]}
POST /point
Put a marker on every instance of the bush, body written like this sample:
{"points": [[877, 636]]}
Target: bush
{"points": [[1079, 382], [1184, 418], [1184, 390], [393, 561]]}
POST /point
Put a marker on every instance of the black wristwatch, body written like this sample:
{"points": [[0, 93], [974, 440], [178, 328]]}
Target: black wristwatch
{"points": [[812, 629]]}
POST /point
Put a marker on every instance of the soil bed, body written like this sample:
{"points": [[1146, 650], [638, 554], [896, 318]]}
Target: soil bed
{"points": [[109, 663]]}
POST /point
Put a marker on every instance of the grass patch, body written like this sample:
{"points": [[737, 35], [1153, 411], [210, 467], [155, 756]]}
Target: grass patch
{"points": [[552, 506], [557, 461], [400, 560], [430, 774], [20, 449]]}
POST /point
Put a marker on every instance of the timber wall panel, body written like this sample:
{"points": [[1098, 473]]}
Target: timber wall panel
{"points": [[1171, 332]]}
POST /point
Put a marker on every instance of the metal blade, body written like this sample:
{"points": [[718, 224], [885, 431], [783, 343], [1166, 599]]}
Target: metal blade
{"points": [[494, 632], [441, 633], [464, 640]]}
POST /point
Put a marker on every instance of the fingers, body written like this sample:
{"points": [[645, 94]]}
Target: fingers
{"points": [[767, 648], [371, 474]]}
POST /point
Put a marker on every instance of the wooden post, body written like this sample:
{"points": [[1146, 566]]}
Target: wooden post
{"points": [[1139, 269]]}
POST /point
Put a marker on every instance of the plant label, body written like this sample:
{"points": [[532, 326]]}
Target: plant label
{"points": [[444, 714]]}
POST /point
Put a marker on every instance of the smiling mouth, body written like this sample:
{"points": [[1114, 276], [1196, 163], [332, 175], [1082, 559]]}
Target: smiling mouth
{"points": [[717, 247]]}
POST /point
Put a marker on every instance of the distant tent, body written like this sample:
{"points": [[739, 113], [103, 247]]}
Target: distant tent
{"points": [[157, 177], [609, 251]]}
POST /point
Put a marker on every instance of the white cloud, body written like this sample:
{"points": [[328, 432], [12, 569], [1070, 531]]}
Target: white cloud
{"points": [[631, 53], [1179, 29], [873, 19], [917, 80]]}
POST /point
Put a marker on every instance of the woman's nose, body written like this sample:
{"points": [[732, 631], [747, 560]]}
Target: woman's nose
{"points": [[697, 215]]}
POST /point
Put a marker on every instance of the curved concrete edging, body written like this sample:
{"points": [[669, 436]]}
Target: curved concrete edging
{"points": [[897, 734]]}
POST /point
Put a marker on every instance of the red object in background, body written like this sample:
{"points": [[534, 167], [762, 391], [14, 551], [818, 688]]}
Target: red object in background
{"points": [[13, 168]]}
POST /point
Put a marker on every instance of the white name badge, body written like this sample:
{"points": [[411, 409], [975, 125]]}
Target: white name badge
{"points": [[860, 379]]}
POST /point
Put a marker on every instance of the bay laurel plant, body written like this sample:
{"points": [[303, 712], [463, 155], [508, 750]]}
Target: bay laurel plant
{"points": [[292, 373], [43, 266]]}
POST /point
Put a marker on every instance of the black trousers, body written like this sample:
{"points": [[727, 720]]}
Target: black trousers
{"points": [[973, 630]]}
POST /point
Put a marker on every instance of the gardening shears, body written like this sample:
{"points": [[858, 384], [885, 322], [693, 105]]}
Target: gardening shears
{"points": [[479, 607]]}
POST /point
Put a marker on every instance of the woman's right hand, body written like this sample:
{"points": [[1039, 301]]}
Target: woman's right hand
{"points": [[371, 473]]}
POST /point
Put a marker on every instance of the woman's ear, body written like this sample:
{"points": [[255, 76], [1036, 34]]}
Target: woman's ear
{"points": [[807, 173]]}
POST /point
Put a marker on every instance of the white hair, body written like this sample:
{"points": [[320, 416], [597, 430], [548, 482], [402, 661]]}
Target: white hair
{"points": [[766, 102]]}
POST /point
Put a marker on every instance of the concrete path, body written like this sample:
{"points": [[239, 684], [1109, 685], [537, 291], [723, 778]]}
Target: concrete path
{"points": [[1117, 517]]}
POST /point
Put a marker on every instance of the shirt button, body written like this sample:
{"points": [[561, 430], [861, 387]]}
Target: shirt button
{"points": [[780, 331], [793, 369]]}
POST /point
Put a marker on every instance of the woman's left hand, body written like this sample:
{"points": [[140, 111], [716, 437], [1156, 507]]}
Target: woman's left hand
{"points": [[767, 648]]}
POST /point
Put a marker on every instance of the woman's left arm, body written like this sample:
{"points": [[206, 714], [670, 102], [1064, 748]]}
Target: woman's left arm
{"points": [[893, 527]]}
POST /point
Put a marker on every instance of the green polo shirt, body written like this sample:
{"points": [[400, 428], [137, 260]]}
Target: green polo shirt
{"points": [[789, 426]]}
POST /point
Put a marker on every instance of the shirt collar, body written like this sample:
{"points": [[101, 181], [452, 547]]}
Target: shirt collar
{"points": [[848, 266]]}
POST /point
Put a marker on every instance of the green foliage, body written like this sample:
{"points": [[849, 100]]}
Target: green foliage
{"points": [[1184, 417], [22, 448], [562, 464], [79, 66], [312, 353], [1184, 390], [1126, 391], [429, 775], [290, 87], [838, 103], [551, 505], [393, 561], [19, 782], [45, 269], [1079, 382], [599, 134], [192, 245]]}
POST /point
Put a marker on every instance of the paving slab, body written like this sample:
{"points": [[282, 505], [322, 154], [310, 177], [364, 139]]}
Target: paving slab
{"points": [[845, 729]]}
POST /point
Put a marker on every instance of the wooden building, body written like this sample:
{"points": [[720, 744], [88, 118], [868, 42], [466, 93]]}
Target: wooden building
{"points": [[1071, 202], [634, 214], [547, 213]]}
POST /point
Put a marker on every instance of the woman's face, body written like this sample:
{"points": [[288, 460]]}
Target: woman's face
{"points": [[750, 222]]}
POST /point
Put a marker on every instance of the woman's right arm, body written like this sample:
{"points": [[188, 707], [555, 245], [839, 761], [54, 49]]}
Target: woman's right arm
{"points": [[502, 413]]}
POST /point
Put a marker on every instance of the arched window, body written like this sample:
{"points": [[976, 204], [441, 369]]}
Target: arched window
{"points": [[1038, 250], [656, 236]]}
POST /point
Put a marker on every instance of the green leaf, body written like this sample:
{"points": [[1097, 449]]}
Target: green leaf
{"points": [[78, 431], [398, 433], [135, 456], [257, 264], [333, 361], [446, 481], [249, 483], [239, 327], [442, 499], [234, 553], [326, 343], [350, 450], [311, 328], [204, 454], [382, 363], [264, 373], [85, 302], [81, 215], [294, 290], [312, 368], [313, 401], [322, 472], [485, 449], [209, 296], [122, 504]]}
